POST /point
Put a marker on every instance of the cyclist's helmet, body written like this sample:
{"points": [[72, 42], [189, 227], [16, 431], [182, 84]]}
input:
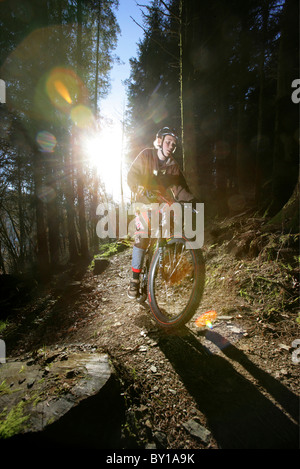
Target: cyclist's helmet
{"points": [[167, 131]]}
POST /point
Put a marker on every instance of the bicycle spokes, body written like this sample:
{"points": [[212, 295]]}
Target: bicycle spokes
{"points": [[176, 265], [174, 281]]}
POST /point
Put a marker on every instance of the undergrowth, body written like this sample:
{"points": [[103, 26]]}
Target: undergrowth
{"points": [[267, 279]]}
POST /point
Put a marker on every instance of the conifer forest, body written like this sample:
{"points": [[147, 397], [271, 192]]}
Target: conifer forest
{"points": [[225, 74], [82, 362]]}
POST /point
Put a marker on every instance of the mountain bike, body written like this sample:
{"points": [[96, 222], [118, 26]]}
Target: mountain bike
{"points": [[172, 279]]}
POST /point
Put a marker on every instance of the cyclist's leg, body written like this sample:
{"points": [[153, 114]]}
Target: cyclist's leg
{"points": [[138, 253]]}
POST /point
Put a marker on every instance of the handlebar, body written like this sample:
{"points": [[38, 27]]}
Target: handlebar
{"points": [[156, 196]]}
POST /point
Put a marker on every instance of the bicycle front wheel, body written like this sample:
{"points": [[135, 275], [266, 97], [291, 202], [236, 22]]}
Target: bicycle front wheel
{"points": [[175, 283]]}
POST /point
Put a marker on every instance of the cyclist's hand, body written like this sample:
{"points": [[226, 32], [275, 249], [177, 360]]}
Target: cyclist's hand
{"points": [[145, 195], [153, 194]]}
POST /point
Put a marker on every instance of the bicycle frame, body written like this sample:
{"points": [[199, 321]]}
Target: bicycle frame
{"points": [[173, 299]]}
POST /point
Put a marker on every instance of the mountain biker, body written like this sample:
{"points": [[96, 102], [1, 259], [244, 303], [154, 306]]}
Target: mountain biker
{"points": [[154, 169]]}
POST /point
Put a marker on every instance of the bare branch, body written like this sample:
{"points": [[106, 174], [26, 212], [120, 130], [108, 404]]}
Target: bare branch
{"points": [[170, 11], [171, 15], [154, 40]]}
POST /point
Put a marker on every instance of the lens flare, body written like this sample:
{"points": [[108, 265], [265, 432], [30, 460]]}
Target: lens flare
{"points": [[82, 116], [46, 194], [46, 141], [64, 88], [63, 91], [206, 319]]}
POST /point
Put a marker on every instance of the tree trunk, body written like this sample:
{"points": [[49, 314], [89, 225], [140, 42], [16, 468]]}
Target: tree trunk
{"points": [[187, 98], [286, 146], [94, 219], [21, 217], [79, 163], [70, 208], [259, 155], [97, 58], [94, 202], [81, 206], [287, 219], [42, 241], [245, 179], [52, 211]]}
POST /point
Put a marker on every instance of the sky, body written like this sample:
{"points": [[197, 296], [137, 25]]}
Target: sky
{"points": [[112, 140], [131, 33]]}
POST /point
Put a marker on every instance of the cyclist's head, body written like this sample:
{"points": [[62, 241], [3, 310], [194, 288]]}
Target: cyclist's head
{"points": [[162, 134]]}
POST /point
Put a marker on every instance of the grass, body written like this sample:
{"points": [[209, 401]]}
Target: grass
{"points": [[4, 388], [12, 422]]}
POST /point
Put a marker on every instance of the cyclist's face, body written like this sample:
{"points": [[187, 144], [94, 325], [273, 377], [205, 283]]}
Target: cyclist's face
{"points": [[169, 145]]}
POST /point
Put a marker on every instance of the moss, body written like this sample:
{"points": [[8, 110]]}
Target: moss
{"points": [[12, 422], [3, 325], [109, 249]]}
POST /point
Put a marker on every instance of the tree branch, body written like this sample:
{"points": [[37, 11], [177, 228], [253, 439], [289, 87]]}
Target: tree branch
{"points": [[171, 12], [154, 40], [171, 15]]}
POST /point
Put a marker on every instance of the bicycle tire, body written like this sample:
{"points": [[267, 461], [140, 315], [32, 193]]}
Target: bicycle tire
{"points": [[190, 286]]}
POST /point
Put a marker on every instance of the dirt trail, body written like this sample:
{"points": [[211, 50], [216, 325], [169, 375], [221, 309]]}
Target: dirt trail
{"points": [[234, 381]]}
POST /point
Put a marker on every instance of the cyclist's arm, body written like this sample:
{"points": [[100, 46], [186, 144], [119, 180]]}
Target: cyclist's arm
{"points": [[180, 190], [134, 176], [181, 194], [138, 174]]}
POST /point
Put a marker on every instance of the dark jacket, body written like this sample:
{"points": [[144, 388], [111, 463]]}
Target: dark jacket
{"points": [[152, 174]]}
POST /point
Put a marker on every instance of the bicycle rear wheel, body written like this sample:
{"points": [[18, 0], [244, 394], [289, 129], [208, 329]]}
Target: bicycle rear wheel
{"points": [[175, 283]]}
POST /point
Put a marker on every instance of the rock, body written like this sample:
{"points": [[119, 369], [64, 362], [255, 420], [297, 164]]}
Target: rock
{"points": [[100, 265], [51, 358], [46, 370], [86, 411], [72, 374], [150, 445], [235, 330], [197, 430], [284, 347], [30, 383], [143, 348], [161, 439]]}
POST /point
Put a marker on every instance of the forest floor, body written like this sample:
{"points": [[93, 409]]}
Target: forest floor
{"points": [[233, 386]]}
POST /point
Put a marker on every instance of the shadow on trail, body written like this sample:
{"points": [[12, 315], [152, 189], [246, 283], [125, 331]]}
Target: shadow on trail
{"points": [[51, 312], [238, 414]]}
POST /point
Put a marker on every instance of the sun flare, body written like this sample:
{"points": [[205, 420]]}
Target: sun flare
{"points": [[104, 151]]}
